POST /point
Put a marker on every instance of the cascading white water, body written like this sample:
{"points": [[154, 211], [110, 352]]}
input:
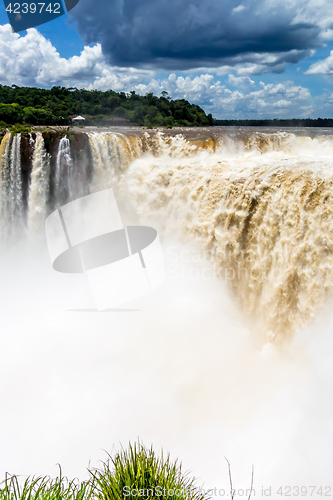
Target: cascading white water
{"points": [[64, 187], [258, 202], [113, 153], [107, 158], [11, 186], [31, 141], [260, 209], [102, 172], [39, 193], [5, 174], [16, 191], [263, 219]]}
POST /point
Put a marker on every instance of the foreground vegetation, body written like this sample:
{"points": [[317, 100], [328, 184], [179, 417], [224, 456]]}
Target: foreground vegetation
{"points": [[136, 472], [34, 106]]}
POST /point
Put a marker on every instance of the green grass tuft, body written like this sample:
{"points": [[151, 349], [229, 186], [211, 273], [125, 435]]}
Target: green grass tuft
{"points": [[45, 488], [150, 476]]}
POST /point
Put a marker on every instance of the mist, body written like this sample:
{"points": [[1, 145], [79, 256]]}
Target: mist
{"points": [[183, 373]]}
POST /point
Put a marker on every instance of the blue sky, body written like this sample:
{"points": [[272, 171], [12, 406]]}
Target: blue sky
{"points": [[237, 59]]}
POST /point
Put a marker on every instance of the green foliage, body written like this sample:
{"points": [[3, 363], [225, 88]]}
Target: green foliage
{"points": [[37, 116], [34, 106], [10, 113], [140, 469], [18, 128], [45, 488], [136, 469]]}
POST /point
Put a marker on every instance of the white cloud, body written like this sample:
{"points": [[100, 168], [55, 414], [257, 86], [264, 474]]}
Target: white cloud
{"points": [[271, 100], [324, 66], [282, 104], [32, 60], [238, 9], [241, 81], [313, 12], [327, 34]]}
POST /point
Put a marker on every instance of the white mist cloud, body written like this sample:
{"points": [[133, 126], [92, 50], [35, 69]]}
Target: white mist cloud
{"points": [[182, 373]]}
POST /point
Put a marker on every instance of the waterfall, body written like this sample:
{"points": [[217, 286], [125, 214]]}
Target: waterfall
{"points": [[11, 190], [64, 184], [39, 194], [102, 160], [258, 203], [4, 168], [112, 154], [16, 192], [265, 220], [4, 182]]}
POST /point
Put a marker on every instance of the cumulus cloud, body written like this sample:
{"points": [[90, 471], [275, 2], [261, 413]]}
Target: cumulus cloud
{"points": [[238, 9], [324, 66], [241, 81], [184, 34], [32, 60], [269, 101]]}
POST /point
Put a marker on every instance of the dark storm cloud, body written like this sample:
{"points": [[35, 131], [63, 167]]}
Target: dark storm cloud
{"points": [[184, 34]]}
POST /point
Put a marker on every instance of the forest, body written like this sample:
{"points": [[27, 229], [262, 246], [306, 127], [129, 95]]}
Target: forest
{"points": [[55, 106]]}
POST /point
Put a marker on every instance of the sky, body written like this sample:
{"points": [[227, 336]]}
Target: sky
{"points": [[236, 59]]}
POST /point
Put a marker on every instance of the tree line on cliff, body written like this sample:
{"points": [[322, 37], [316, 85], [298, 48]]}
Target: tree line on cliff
{"points": [[55, 106]]}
